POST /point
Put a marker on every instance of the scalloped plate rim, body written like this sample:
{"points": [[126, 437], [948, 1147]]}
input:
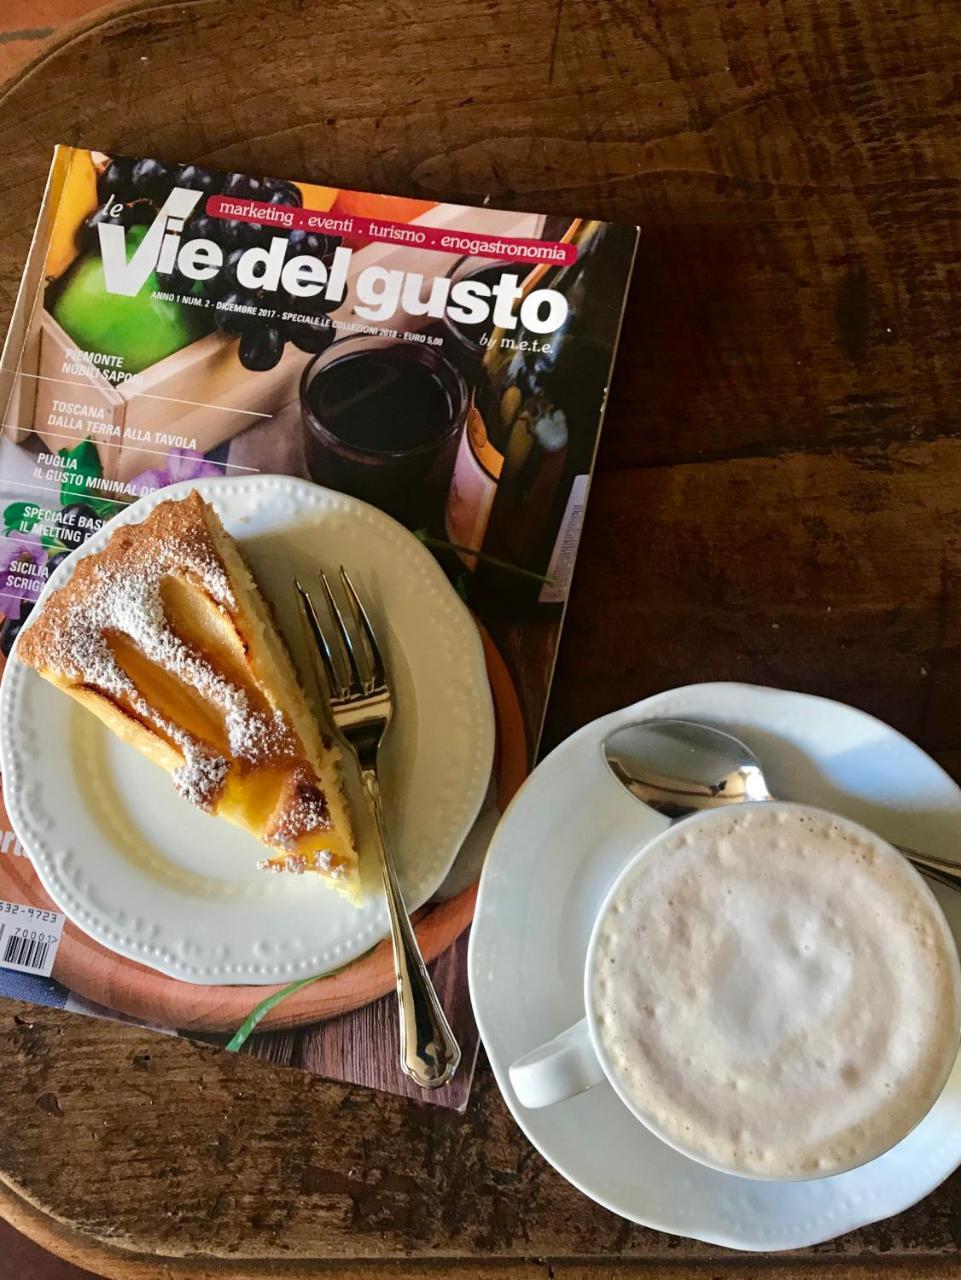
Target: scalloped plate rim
{"points": [[476, 701]]}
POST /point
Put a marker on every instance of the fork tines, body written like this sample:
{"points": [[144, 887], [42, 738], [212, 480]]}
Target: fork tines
{"points": [[350, 654]]}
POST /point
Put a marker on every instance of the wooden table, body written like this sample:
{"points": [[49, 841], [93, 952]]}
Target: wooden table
{"points": [[779, 500], [27, 26]]}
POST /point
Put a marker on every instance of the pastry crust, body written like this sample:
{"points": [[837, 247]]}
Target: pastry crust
{"points": [[165, 636]]}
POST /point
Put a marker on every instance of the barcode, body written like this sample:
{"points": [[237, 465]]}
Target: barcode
{"points": [[27, 953], [29, 938]]}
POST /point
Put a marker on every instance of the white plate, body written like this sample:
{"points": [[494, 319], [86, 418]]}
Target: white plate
{"points": [[151, 877], [568, 832]]}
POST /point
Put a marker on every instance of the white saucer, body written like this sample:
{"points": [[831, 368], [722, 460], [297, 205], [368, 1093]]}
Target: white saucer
{"points": [[563, 840], [151, 877]]}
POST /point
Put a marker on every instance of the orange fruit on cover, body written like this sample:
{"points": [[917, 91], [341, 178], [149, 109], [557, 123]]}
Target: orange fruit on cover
{"points": [[366, 204], [315, 197], [78, 199]]}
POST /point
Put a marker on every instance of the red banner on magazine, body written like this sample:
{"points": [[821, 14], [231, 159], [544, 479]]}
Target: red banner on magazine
{"points": [[409, 234]]}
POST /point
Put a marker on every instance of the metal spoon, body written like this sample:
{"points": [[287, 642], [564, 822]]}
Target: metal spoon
{"points": [[677, 767]]}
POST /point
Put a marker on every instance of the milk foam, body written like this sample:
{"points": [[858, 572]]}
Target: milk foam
{"points": [[777, 991]]}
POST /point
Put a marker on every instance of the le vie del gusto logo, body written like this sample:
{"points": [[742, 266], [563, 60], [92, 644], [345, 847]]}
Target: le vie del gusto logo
{"points": [[380, 291]]}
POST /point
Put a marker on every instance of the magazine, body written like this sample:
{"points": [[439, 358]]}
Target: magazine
{"points": [[448, 365]]}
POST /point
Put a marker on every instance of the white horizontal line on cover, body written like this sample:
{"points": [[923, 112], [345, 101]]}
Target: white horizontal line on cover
{"points": [[22, 484], [17, 536], [144, 395], [129, 448], [18, 539]]}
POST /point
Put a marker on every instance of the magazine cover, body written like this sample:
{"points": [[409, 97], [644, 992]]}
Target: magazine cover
{"points": [[298, 355]]}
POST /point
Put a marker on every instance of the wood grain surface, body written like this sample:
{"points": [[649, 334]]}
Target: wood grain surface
{"points": [[27, 27], [779, 500]]}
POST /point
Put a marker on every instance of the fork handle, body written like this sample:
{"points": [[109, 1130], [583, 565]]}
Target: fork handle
{"points": [[429, 1053]]}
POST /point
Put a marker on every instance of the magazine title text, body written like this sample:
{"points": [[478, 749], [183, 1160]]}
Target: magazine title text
{"points": [[380, 292]]}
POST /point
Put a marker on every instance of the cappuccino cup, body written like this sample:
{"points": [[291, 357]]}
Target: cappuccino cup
{"points": [[770, 989]]}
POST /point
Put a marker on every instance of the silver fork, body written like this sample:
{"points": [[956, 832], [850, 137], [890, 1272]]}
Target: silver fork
{"points": [[350, 669]]}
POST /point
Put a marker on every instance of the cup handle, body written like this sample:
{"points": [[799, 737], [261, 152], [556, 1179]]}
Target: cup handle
{"points": [[565, 1066]]}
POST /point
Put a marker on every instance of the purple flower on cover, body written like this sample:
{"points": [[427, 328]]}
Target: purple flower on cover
{"points": [[182, 464], [18, 549]]}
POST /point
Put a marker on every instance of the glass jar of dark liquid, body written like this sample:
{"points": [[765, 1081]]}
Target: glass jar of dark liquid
{"points": [[466, 342], [382, 419]]}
